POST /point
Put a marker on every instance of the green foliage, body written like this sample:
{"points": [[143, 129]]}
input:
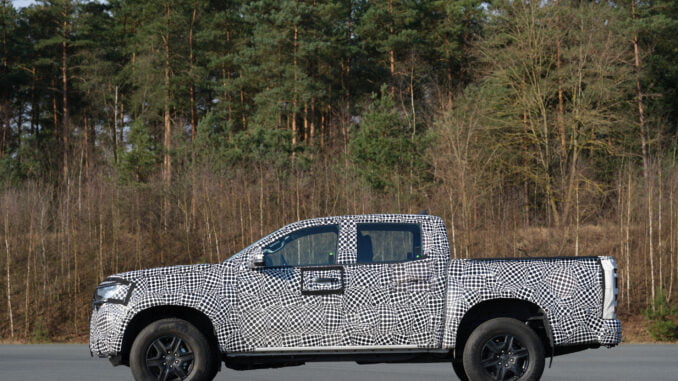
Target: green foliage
{"points": [[40, 333], [222, 149], [259, 146], [263, 74], [138, 161], [385, 147], [662, 318], [657, 25]]}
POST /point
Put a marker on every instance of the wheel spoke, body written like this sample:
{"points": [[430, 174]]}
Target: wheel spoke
{"points": [[489, 363], [156, 362], [508, 342], [493, 347], [517, 369], [160, 347], [179, 371], [164, 374], [501, 372], [175, 344], [185, 357], [520, 353]]}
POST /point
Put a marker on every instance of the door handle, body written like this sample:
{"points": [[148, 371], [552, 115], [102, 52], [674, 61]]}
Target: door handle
{"points": [[326, 280]]}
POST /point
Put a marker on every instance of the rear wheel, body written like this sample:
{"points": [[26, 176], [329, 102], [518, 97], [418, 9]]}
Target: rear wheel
{"points": [[503, 349], [170, 350]]}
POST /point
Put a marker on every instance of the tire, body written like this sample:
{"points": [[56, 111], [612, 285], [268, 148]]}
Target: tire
{"points": [[458, 367], [172, 349], [503, 349]]}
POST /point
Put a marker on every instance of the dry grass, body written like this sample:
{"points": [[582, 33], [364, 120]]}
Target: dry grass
{"points": [[634, 330], [62, 243]]}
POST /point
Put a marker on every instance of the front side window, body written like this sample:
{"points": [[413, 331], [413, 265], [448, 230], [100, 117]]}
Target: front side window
{"points": [[306, 247], [388, 243]]}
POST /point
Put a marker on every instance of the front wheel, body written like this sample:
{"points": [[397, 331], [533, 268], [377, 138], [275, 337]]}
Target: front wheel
{"points": [[172, 349], [503, 349]]}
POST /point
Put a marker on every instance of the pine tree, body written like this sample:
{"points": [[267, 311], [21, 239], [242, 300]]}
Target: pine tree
{"points": [[384, 148]]}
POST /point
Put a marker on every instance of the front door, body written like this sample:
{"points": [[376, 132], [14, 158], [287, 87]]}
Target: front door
{"points": [[294, 300]]}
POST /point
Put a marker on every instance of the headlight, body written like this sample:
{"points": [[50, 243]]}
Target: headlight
{"points": [[113, 290]]}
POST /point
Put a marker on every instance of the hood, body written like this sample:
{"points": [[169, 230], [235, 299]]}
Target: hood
{"points": [[136, 275]]}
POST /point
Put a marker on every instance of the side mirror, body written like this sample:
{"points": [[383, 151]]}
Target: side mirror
{"points": [[257, 259]]}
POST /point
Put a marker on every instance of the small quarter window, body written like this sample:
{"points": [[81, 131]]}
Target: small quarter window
{"points": [[306, 247], [378, 243]]}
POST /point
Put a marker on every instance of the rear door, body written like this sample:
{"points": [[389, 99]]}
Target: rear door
{"points": [[395, 290]]}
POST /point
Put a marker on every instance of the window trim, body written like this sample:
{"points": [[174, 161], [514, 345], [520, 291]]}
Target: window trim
{"points": [[420, 231], [337, 230]]}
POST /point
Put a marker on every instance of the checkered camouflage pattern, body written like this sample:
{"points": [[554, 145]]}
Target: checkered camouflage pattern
{"points": [[410, 304]]}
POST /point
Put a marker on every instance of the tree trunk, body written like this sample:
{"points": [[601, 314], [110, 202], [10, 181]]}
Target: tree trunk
{"points": [[294, 84], [5, 103], [561, 103], [167, 140], [86, 145], [305, 124], [659, 233], [9, 278], [115, 126], [55, 110], [121, 120], [644, 150], [312, 127], [242, 108], [35, 107], [627, 242], [391, 52], [27, 285], [65, 116], [191, 61]]}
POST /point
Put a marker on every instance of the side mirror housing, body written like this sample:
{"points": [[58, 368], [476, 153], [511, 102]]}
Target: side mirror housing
{"points": [[257, 259]]}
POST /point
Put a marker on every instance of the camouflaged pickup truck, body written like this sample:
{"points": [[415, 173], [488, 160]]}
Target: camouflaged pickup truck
{"points": [[370, 289]]}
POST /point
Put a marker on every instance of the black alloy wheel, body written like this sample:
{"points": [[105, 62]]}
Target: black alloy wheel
{"points": [[504, 358], [503, 349], [169, 358], [172, 350]]}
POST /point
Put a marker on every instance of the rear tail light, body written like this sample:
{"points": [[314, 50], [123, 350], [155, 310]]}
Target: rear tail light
{"points": [[610, 287]]}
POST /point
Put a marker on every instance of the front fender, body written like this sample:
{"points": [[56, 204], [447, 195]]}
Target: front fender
{"points": [[209, 289]]}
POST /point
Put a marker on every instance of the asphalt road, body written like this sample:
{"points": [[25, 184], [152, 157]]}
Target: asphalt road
{"points": [[59, 362]]}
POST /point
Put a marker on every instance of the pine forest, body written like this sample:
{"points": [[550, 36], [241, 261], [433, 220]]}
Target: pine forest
{"points": [[147, 133]]}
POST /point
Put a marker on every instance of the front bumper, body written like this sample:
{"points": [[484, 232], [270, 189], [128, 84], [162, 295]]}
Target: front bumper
{"points": [[106, 329]]}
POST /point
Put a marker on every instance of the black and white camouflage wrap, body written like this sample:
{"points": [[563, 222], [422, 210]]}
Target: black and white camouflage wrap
{"points": [[411, 304], [568, 290]]}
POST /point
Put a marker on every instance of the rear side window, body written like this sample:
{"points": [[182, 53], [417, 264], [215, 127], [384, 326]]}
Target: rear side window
{"points": [[378, 243], [306, 247]]}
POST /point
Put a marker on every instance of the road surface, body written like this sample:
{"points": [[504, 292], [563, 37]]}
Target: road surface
{"points": [[62, 362]]}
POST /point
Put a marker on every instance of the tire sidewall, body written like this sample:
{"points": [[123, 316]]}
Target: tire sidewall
{"points": [[204, 363], [501, 326]]}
